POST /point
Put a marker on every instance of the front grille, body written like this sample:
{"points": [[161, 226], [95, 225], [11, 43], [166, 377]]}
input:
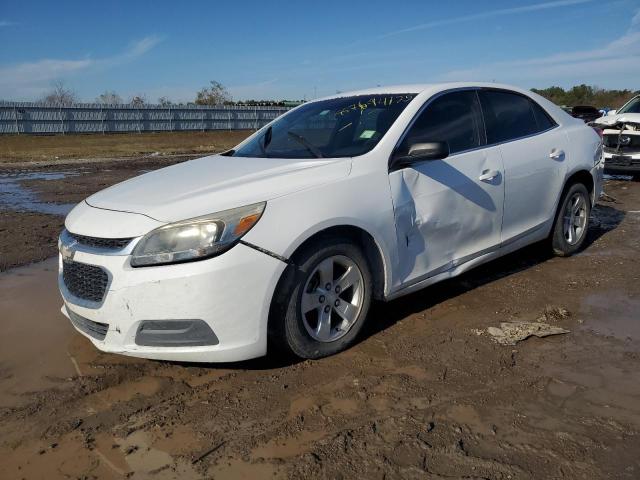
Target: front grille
{"points": [[96, 330], [109, 243], [86, 282]]}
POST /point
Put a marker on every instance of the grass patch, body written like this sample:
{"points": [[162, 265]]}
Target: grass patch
{"points": [[52, 147]]}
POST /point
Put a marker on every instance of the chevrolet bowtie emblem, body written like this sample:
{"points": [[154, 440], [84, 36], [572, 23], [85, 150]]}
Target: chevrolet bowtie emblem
{"points": [[67, 250]]}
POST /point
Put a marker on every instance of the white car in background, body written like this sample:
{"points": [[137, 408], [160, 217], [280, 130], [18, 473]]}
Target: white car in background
{"points": [[286, 239], [621, 138]]}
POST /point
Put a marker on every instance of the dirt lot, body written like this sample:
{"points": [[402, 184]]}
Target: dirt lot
{"points": [[28, 232], [426, 393], [58, 147]]}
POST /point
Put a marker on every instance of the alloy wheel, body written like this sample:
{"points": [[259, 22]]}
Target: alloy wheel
{"points": [[575, 218], [332, 298]]}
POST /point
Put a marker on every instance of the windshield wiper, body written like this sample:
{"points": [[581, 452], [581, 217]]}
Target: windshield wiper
{"points": [[303, 141]]}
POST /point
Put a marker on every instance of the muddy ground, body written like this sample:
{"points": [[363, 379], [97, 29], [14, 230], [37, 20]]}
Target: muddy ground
{"points": [[425, 393], [27, 231], [52, 148]]}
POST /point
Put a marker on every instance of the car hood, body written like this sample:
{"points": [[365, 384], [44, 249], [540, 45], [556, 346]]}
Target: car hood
{"points": [[211, 184], [612, 120]]}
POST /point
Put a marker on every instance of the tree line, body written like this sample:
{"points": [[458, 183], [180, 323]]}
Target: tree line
{"points": [[214, 94], [587, 95], [217, 94]]}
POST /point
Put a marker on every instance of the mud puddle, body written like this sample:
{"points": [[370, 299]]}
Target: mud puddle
{"points": [[35, 336], [15, 196], [34, 200], [614, 314]]}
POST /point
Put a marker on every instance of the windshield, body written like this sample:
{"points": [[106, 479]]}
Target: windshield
{"points": [[339, 127], [632, 107]]}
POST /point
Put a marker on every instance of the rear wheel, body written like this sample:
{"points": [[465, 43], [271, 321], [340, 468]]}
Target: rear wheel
{"points": [[321, 306], [572, 221]]}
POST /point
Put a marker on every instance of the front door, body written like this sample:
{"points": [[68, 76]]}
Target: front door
{"points": [[447, 211]]}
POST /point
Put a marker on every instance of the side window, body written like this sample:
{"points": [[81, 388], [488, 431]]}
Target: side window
{"points": [[507, 116], [544, 121], [453, 118]]}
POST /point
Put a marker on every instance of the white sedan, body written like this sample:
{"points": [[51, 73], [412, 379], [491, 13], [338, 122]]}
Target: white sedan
{"points": [[286, 240], [621, 138]]}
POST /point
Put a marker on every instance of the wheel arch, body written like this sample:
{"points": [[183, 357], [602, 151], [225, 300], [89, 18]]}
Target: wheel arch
{"points": [[371, 248], [579, 176]]}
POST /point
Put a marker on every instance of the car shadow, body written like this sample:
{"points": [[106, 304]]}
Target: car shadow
{"points": [[274, 360], [604, 218], [385, 314]]}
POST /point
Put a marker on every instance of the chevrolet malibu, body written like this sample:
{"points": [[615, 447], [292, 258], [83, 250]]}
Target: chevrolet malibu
{"points": [[286, 240]]}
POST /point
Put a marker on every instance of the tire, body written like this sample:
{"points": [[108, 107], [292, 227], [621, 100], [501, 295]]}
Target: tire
{"points": [[572, 221], [298, 319]]}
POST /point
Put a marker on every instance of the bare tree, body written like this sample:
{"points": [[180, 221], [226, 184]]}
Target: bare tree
{"points": [[138, 100], [164, 101], [60, 95], [109, 97], [215, 94]]}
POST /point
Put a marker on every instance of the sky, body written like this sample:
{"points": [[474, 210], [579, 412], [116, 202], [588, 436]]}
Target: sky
{"points": [[308, 49]]}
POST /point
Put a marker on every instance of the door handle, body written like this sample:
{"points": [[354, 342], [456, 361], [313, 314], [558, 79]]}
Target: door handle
{"points": [[556, 154], [488, 175]]}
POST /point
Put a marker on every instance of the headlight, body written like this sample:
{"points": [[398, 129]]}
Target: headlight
{"points": [[196, 238]]}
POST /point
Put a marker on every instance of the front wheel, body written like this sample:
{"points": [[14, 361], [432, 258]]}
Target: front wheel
{"points": [[320, 307], [572, 221]]}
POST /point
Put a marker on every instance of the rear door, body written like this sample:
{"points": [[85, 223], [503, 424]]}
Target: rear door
{"points": [[534, 150], [447, 211]]}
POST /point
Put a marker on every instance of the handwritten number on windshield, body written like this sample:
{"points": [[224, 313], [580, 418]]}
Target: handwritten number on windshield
{"points": [[374, 102]]}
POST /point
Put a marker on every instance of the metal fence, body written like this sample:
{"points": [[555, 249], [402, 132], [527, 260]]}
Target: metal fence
{"points": [[38, 118]]}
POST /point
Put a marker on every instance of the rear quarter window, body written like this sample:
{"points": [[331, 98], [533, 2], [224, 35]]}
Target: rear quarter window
{"points": [[543, 119]]}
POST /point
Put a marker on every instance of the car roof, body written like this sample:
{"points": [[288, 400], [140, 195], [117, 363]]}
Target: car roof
{"points": [[559, 115], [424, 87]]}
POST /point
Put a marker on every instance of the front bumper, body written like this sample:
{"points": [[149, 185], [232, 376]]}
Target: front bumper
{"points": [[231, 293], [621, 163]]}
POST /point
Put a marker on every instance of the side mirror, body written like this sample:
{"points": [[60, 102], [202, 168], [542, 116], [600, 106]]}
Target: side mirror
{"points": [[612, 112], [419, 152]]}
